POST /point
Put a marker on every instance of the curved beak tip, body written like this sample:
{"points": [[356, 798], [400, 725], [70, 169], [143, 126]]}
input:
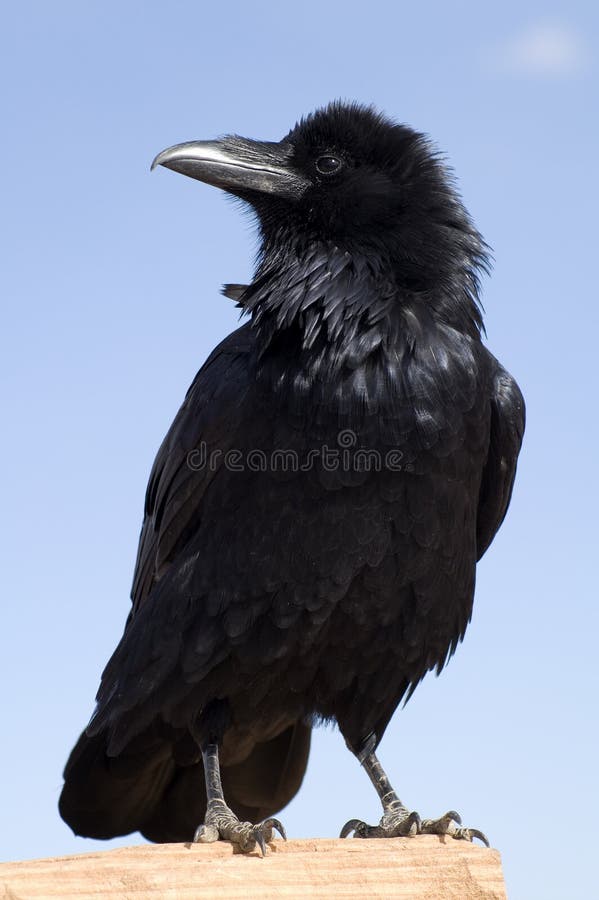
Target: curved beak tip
{"points": [[236, 165]]}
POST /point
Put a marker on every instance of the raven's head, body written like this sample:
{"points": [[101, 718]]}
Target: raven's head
{"points": [[347, 176]]}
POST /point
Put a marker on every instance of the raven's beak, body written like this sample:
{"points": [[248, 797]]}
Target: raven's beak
{"points": [[237, 165]]}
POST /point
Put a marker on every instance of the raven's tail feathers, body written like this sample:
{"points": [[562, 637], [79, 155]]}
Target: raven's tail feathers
{"points": [[144, 789]]}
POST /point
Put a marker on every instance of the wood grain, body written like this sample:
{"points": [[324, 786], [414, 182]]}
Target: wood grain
{"points": [[422, 868]]}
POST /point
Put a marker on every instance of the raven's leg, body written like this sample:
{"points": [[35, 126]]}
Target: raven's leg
{"points": [[396, 819], [220, 821]]}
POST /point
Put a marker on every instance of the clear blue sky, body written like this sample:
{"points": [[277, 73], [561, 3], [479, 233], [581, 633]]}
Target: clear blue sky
{"points": [[110, 290]]}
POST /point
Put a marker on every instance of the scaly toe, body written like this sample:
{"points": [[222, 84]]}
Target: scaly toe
{"points": [[442, 825], [445, 825], [389, 826], [468, 834], [206, 834]]}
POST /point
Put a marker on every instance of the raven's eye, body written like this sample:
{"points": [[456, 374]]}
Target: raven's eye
{"points": [[327, 165]]}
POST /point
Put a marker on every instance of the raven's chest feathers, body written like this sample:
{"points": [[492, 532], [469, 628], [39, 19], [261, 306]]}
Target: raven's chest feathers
{"points": [[340, 347]]}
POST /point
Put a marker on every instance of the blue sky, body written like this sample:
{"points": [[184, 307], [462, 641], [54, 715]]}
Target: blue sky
{"points": [[110, 291]]}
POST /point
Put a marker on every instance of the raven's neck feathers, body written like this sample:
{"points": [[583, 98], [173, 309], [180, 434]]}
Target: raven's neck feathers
{"points": [[335, 309]]}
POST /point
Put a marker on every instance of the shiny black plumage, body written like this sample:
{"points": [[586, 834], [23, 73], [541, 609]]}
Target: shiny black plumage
{"points": [[267, 596]]}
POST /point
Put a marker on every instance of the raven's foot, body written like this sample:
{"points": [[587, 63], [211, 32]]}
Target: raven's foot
{"points": [[398, 822], [222, 824]]}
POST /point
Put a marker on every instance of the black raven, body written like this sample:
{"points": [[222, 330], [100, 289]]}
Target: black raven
{"points": [[315, 513]]}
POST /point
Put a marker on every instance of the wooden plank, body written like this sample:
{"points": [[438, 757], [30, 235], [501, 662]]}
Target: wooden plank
{"points": [[421, 868]]}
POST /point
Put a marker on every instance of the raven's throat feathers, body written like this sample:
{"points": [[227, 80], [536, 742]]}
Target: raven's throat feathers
{"points": [[345, 307]]}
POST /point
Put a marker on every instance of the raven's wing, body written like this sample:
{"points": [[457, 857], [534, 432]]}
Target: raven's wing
{"points": [[190, 546], [186, 461], [507, 429], [145, 788]]}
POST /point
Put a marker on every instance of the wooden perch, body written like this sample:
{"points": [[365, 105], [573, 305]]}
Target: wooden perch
{"points": [[422, 868]]}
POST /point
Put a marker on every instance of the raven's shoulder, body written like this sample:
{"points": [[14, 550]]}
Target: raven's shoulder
{"points": [[207, 420]]}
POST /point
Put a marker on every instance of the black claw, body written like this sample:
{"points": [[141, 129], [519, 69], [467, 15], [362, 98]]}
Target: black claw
{"points": [[475, 833], [413, 819], [350, 826], [274, 823], [260, 841]]}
